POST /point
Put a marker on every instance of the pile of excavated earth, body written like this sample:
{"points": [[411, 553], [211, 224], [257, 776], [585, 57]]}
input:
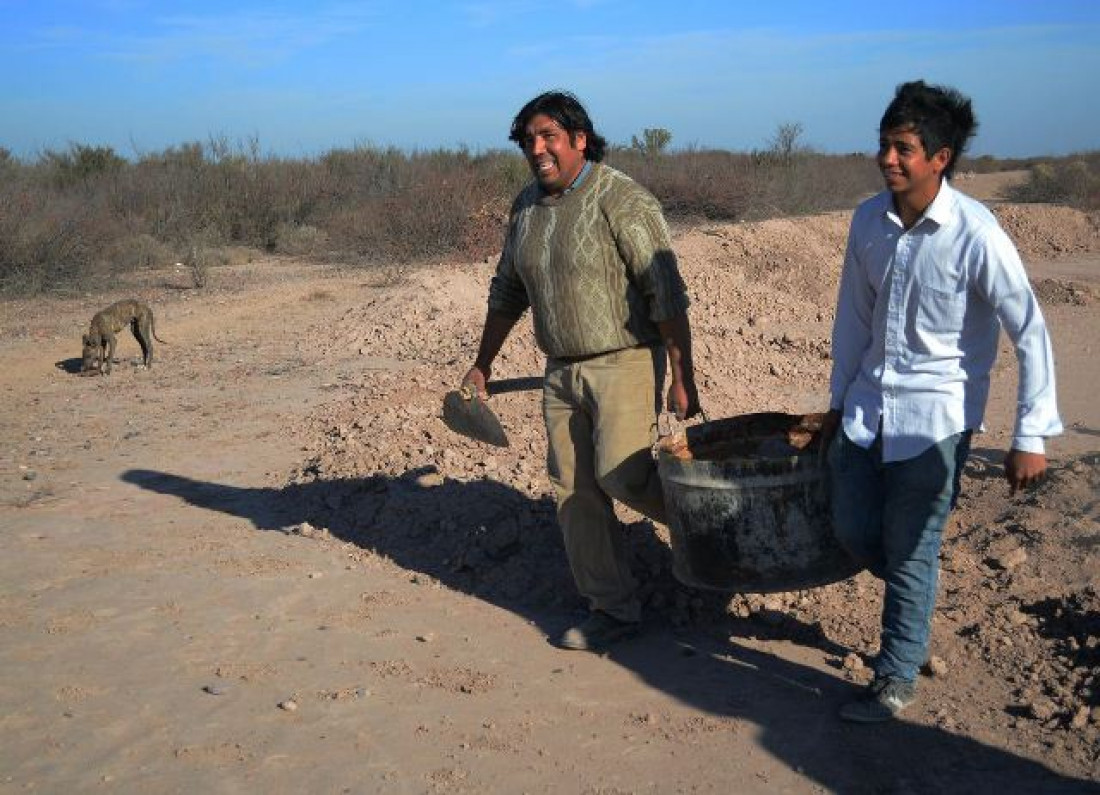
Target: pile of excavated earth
{"points": [[1016, 636]]}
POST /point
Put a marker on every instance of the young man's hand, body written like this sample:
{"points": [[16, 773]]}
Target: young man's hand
{"points": [[1024, 469]]}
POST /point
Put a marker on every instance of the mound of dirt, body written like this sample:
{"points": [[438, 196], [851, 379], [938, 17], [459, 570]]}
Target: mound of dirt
{"points": [[1060, 291], [1043, 231], [1018, 626]]}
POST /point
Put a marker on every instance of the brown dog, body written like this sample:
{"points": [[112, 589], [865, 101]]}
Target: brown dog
{"points": [[99, 342]]}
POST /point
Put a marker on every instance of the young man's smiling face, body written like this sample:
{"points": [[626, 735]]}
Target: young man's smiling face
{"points": [[909, 172], [555, 158]]}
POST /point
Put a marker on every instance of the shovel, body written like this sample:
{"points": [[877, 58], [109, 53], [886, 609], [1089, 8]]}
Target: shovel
{"points": [[465, 412]]}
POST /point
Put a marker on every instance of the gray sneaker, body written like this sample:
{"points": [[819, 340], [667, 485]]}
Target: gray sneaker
{"points": [[883, 699], [597, 632]]}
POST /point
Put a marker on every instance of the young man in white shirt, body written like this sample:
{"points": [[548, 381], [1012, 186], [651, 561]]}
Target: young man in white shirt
{"points": [[929, 280]]}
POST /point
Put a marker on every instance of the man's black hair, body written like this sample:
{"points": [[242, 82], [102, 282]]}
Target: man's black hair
{"points": [[566, 110], [939, 115]]}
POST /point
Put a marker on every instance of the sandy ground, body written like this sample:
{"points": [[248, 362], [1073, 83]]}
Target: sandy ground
{"points": [[266, 565]]}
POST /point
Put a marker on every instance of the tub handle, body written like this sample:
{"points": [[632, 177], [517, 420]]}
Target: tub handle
{"points": [[672, 423]]}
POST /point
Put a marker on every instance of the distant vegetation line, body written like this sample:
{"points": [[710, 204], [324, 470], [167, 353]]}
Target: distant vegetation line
{"points": [[73, 218]]}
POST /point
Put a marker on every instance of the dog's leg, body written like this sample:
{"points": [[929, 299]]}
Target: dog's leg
{"points": [[140, 327], [110, 352], [100, 354]]}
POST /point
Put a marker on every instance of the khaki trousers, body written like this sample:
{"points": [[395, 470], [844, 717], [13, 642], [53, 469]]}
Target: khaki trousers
{"points": [[601, 423]]}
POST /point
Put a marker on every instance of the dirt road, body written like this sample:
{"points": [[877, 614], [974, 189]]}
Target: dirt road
{"points": [[265, 565]]}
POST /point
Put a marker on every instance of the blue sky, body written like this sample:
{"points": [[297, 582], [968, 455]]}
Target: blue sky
{"points": [[305, 77]]}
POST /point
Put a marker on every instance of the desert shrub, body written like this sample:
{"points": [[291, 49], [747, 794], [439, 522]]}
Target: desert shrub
{"points": [[419, 223], [785, 145], [990, 164], [140, 252], [260, 196], [168, 194], [653, 141], [720, 185], [788, 177], [76, 215], [53, 243], [197, 263], [81, 163], [384, 205], [364, 171], [228, 192], [695, 183], [300, 239], [808, 182], [9, 166], [202, 253], [1073, 180]]}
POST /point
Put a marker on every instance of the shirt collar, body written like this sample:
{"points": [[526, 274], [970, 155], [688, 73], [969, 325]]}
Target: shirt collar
{"points": [[580, 178], [942, 208], [940, 211]]}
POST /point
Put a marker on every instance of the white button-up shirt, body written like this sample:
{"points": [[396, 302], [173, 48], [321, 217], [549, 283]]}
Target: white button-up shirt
{"points": [[917, 325]]}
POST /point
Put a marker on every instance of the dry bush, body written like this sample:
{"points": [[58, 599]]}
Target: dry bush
{"points": [[51, 242], [300, 240], [727, 186], [1073, 180], [75, 216], [420, 223], [140, 252], [197, 261], [807, 182], [989, 164], [229, 191], [80, 164], [388, 206], [202, 254]]}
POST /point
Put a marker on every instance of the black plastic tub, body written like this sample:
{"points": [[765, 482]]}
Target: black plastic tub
{"points": [[748, 505]]}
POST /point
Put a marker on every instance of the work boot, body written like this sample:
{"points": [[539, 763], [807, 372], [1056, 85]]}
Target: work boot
{"points": [[597, 632], [883, 699]]}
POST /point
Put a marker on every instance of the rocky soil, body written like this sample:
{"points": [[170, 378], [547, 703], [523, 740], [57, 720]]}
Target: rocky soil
{"points": [[390, 635], [1017, 634]]}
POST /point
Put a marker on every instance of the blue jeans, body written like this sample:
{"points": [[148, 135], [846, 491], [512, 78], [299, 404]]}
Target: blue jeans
{"points": [[890, 518]]}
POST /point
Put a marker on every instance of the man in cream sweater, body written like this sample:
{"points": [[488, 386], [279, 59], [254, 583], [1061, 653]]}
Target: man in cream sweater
{"points": [[589, 252]]}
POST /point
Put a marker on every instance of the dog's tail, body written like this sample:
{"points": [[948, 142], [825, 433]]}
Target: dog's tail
{"points": [[153, 330]]}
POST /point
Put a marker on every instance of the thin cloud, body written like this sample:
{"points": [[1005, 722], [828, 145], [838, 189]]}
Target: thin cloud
{"points": [[249, 37], [724, 46], [490, 14]]}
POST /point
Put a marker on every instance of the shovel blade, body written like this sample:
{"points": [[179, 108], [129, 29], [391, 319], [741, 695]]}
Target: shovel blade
{"points": [[468, 415]]}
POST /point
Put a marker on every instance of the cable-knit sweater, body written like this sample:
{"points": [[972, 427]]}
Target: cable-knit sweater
{"points": [[595, 266]]}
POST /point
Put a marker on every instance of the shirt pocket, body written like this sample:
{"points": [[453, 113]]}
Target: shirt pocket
{"points": [[940, 310]]}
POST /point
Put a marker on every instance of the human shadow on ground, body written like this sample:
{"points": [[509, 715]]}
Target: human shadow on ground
{"points": [[489, 540]]}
